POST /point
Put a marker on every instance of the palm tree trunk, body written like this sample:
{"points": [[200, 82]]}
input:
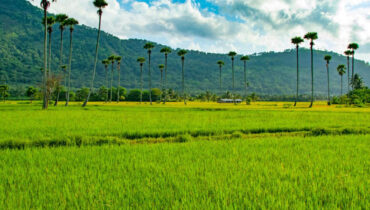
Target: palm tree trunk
{"points": [[95, 62], [45, 98], [327, 69], [353, 68], [165, 78], [111, 85], [220, 79], [60, 64], [183, 79], [348, 81], [232, 67], [119, 75], [69, 68], [311, 75], [107, 83], [150, 81], [296, 97], [141, 83], [161, 85], [49, 62], [245, 81], [341, 85]]}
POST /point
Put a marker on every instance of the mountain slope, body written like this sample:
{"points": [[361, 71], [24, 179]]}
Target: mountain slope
{"points": [[21, 42]]}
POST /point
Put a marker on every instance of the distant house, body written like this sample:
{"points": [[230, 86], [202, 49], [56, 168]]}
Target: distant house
{"points": [[229, 101]]}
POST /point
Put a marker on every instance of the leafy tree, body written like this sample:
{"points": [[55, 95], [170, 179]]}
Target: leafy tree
{"points": [[111, 59], [357, 82], [311, 36], [81, 94], [141, 61], [327, 58], [71, 22], [165, 51], [220, 64], [353, 47], [245, 59], [348, 53], [182, 54], [149, 46], [161, 67], [341, 71], [297, 41], [118, 60], [102, 94], [106, 62], [100, 4], [135, 95], [232, 54], [4, 91]]}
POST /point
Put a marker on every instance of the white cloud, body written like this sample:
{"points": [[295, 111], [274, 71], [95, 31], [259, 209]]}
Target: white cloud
{"points": [[264, 25]]}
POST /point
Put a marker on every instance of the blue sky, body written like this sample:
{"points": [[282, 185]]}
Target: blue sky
{"points": [[245, 26]]}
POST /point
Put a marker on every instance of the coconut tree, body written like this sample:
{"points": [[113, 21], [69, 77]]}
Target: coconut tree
{"points": [[220, 64], [100, 4], [118, 60], [341, 71], [61, 18], [353, 47], [71, 22], [245, 59], [106, 62], [182, 54], [161, 67], [111, 59], [50, 21], [327, 58], [45, 4], [311, 36], [149, 46], [165, 51], [232, 54], [141, 61], [297, 41], [348, 53]]}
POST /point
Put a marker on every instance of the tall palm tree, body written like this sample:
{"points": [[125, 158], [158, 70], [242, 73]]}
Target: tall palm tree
{"points": [[118, 60], [232, 54], [149, 46], [61, 18], [45, 4], [106, 62], [161, 67], [327, 58], [341, 70], [100, 4], [297, 41], [311, 36], [220, 64], [182, 54], [71, 22], [111, 59], [353, 47], [141, 60], [245, 59], [348, 53], [50, 21], [165, 51]]}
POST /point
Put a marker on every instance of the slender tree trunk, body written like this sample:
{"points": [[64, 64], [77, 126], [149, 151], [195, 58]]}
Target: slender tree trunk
{"points": [[341, 85], [150, 81], [165, 78], [297, 93], [49, 62], [141, 83], [311, 75], [60, 64], [119, 78], [220, 79], [69, 67], [353, 69], [348, 75], [111, 85], [232, 67], [245, 82], [161, 85], [95, 62], [183, 79], [106, 83], [327, 69], [45, 98]]}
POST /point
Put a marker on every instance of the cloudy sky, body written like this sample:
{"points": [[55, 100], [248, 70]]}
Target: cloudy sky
{"points": [[245, 26]]}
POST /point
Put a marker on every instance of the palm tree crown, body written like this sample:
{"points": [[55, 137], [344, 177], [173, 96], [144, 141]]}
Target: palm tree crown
{"points": [[297, 40], [105, 62], [141, 60], [311, 36], [232, 54], [61, 18], [353, 46], [341, 69], [118, 59], [166, 50], [348, 52], [327, 58], [182, 53], [149, 46], [161, 66], [220, 63], [244, 58], [71, 22], [100, 4]]}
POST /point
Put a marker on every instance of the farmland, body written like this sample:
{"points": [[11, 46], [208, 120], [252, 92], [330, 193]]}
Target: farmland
{"points": [[204, 155]]}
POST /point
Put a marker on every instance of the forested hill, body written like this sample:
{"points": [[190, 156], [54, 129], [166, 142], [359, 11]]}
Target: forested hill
{"points": [[21, 52]]}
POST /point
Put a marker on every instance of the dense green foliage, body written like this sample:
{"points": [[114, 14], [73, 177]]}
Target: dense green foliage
{"points": [[269, 173], [268, 73]]}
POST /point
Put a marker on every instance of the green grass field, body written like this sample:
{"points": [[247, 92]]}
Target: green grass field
{"points": [[205, 155]]}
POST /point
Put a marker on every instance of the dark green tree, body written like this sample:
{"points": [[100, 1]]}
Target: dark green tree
{"points": [[182, 54], [161, 67], [348, 53], [220, 64], [311, 36], [71, 22], [141, 61], [165, 51], [245, 59], [353, 47], [111, 59], [106, 62], [341, 71], [297, 41], [149, 46], [232, 55], [118, 60], [327, 58]]}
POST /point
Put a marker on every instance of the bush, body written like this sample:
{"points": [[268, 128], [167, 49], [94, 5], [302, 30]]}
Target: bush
{"points": [[184, 138]]}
